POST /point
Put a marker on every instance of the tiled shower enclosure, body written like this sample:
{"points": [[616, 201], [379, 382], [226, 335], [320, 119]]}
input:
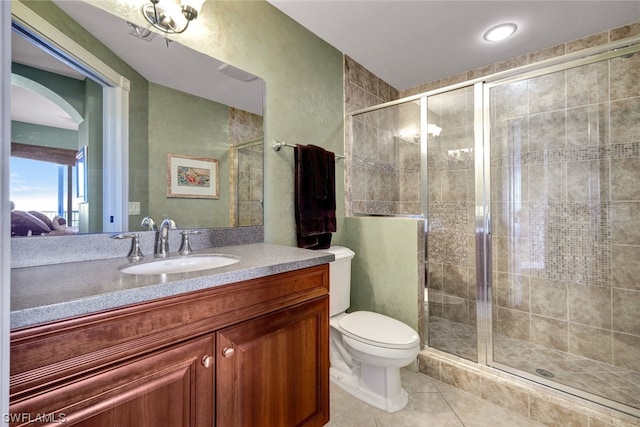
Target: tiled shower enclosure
{"points": [[531, 186]]}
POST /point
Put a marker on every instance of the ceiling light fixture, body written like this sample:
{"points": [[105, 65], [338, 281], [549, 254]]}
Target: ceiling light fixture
{"points": [[500, 32], [172, 17]]}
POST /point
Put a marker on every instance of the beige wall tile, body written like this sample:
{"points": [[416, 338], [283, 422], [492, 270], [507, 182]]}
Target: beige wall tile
{"points": [[513, 323], [587, 42], [512, 291], [578, 181], [625, 223], [590, 305], [625, 177], [626, 303], [625, 267], [553, 414], [582, 339], [625, 351], [624, 32], [459, 378], [505, 394], [625, 72], [588, 125], [547, 130], [454, 185], [550, 333], [588, 85], [456, 281], [625, 120], [549, 298], [546, 93], [458, 312]]}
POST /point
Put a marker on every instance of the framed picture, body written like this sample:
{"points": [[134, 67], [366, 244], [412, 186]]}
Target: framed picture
{"points": [[192, 177], [81, 174]]}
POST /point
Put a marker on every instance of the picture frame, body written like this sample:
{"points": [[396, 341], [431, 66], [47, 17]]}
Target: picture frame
{"points": [[192, 177]]}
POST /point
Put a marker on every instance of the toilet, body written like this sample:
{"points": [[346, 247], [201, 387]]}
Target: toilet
{"points": [[367, 349]]}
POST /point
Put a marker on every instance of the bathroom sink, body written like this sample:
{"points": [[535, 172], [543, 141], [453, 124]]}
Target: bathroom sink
{"points": [[182, 264]]}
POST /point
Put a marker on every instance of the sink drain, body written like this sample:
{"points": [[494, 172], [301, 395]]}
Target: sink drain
{"points": [[545, 373]]}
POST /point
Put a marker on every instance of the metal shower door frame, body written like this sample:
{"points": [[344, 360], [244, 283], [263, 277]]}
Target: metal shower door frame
{"points": [[483, 218]]}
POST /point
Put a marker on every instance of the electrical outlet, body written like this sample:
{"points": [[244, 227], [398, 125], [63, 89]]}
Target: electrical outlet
{"points": [[134, 208]]}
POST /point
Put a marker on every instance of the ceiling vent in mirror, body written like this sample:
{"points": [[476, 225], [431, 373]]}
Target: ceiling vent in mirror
{"points": [[171, 16], [236, 73], [139, 32]]}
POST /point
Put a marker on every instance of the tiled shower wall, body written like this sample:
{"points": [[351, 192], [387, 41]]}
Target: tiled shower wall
{"points": [[246, 183], [566, 208], [378, 155]]}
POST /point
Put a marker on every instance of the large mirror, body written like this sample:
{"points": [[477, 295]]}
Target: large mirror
{"points": [[194, 123]]}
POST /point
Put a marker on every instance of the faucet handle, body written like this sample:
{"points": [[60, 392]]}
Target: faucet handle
{"points": [[135, 254], [149, 223], [185, 246]]}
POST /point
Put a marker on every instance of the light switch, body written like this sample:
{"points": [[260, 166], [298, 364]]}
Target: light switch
{"points": [[134, 208]]}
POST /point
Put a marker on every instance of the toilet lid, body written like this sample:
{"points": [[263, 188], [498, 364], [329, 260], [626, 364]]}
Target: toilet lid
{"points": [[378, 329]]}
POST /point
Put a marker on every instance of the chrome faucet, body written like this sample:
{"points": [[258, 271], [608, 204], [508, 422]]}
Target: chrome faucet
{"points": [[162, 245], [149, 223]]}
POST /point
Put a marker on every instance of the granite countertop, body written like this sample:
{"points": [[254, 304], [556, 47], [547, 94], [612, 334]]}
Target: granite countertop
{"points": [[53, 292]]}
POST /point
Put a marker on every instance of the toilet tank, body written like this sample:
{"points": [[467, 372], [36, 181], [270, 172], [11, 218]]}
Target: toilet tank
{"points": [[339, 279]]}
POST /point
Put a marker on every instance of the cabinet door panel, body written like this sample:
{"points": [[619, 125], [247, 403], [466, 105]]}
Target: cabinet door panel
{"points": [[168, 388], [277, 373]]}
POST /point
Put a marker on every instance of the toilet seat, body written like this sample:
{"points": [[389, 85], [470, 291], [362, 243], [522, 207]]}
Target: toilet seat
{"points": [[378, 330]]}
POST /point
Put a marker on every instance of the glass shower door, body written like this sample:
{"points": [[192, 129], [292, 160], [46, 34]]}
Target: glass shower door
{"points": [[565, 210], [451, 278]]}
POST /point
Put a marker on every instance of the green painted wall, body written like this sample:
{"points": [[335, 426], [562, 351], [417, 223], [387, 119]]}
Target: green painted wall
{"points": [[304, 95], [384, 271], [28, 133], [203, 131]]}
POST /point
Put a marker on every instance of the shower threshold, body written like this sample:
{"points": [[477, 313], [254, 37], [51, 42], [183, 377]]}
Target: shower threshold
{"points": [[598, 378]]}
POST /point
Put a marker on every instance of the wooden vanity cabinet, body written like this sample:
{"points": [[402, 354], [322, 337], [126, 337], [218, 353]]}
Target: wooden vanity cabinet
{"points": [[253, 353], [171, 387], [270, 369]]}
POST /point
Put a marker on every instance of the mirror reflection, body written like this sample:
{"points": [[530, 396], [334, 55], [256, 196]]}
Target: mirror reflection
{"points": [[180, 105]]}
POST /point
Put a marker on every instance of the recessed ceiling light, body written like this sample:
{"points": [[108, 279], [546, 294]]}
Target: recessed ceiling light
{"points": [[500, 32]]}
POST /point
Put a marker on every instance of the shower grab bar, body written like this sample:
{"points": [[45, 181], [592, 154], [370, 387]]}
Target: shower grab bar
{"points": [[277, 145]]}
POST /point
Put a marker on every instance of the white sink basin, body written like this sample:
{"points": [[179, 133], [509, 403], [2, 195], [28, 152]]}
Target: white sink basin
{"points": [[183, 264]]}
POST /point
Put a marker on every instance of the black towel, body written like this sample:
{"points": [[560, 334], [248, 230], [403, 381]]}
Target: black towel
{"points": [[315, 196]]}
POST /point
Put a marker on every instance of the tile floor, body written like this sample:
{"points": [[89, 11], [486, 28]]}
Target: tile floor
{"points": [[603, 379], [431, 403]]}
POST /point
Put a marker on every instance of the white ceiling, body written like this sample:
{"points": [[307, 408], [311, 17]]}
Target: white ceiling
{"points": [[174, 66], [404, 42], [408, 43]]}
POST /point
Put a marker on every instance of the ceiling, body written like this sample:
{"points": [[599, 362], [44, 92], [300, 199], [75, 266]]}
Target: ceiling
{"points": [[408, 43], [172, 65]]}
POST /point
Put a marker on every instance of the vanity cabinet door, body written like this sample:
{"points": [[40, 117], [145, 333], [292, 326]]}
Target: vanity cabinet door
{"points": [[274, 370], [171, 387]]}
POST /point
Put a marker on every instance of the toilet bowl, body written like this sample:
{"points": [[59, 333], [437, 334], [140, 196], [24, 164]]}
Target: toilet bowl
{"points": [[367, 349]]}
